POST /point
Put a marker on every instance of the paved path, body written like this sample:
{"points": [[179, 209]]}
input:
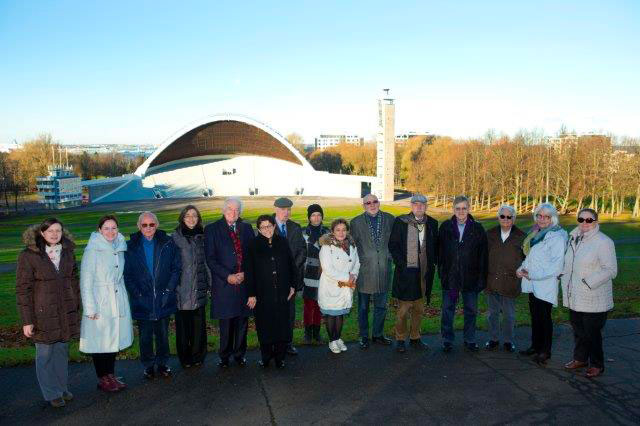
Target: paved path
{"points": [[377, 386]]}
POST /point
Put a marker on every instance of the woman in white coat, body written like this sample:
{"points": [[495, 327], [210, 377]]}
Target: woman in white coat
{"points": [[340, 265], [590, 265], [106, 325], [544, 250]]}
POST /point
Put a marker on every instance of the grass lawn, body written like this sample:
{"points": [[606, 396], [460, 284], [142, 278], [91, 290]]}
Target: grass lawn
{"points": [[15, 349]]}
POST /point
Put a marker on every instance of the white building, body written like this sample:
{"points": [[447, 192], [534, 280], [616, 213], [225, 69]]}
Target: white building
{"points": [[326, 141]]}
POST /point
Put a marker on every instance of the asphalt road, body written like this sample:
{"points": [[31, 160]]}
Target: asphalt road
{"points": [[376, 386]]}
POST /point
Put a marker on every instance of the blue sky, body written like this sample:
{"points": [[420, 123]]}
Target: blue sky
{"points": [[136, 71]]}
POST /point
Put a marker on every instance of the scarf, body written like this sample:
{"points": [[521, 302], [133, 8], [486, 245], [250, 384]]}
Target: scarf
{"points": [[237, 247], [535, 236], [190, 233], [415, 250], [375, 227], [314, 233], [54, 253]]}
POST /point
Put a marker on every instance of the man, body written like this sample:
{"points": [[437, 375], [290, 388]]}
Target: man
{"points": [[289, 229], [503, 286], [462, 266], [371, 231], [226, 242], [413, 245], [152, 271]]}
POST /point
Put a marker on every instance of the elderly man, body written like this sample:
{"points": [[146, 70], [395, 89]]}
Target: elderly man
{"points": [[503, 286], [152, 271], [292, 231], [225, 244], [371, 231], [462, 266], [413, 245]]}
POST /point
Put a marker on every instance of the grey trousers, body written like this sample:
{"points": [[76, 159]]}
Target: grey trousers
{"points": [[52, 362], [507, 306]]}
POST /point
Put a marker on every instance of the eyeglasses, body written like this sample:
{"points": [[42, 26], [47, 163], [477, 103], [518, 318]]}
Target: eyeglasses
{"points": [[586, 219], [148, 225], [505, 217], [368, 203], [540, 216]]}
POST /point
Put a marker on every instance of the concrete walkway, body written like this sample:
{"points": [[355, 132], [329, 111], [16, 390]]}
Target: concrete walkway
{"points": [[377, 386]]}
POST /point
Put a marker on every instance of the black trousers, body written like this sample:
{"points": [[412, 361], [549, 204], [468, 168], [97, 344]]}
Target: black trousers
{"points": [[292, 316], [541, 325], [150, 330], [104, 363], [191, 335], [233, 337], [587, 332], [275, 350]]}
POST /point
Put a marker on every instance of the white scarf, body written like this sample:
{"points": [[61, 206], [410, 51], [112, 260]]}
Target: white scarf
{"points": [[54, 254]]}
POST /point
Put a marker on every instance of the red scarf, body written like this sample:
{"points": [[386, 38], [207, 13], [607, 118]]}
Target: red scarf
{"points": [[237, 247]]}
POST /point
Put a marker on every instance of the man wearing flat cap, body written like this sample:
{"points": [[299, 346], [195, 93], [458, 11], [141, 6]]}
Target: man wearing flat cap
{"points": [[413, 246], [292, 231], [371, 231]]}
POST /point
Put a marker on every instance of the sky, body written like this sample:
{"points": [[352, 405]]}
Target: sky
{"points": [[137, 71]]}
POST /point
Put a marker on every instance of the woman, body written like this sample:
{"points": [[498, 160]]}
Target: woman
{"points": [[544, 259], [106, 325], [340, 265], [589, 268], [270, 273], [48, 298], [195, 282]]}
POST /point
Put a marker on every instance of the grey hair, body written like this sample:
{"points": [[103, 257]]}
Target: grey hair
{"points": [[461, 198], [508, 207], [369, 196], [235, 200], [551, 209], [150, 214]]}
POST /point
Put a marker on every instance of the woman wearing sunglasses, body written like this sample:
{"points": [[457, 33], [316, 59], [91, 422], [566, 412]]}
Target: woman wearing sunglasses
{"points": [[544, 250], [589, 268]]}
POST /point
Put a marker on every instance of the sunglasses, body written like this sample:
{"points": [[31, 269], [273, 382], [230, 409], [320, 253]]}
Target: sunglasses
{"points": [[588, 219], [505, 217], [368, 203], [148, 225]]}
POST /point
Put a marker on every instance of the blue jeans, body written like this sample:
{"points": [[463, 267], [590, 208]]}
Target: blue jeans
{"points": [[148, 329], [470, 302], [379, 313]]}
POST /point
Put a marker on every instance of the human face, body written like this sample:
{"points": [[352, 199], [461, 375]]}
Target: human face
{"points": [[371, 205], [543, 219], [461, 210], [315, 219], [53, 234], [505, 218], [109, 230], [418, 209], [266, 229], [191, 218], [148, 227], [340, 232], [283, 214], [584, 226], [231, 213]]}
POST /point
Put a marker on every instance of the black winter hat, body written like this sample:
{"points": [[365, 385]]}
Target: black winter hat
{"points": [[314, 208]]}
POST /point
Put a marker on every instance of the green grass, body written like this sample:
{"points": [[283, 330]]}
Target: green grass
{"points": [[81, 224]]}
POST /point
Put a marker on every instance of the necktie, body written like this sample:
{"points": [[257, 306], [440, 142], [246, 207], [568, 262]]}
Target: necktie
{"points": [[283, 230]]}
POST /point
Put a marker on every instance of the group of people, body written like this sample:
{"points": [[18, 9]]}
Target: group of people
{"points": [[153, 276]]}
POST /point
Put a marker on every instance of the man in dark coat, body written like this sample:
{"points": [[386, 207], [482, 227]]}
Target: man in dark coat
{"points": [[152, 271], [462, 266], [413, 245], [225, 245], [503, 286], [371, 231], [270, 274], [292, 231]]}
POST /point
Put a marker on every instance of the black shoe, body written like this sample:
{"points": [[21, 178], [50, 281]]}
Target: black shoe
{"points": [[541, 359], [280, 364], [418, 344], [364, 342], [223, 363], [400, 346], [149, 373], [164, 371], [263, 364], [241, 361], [381, 340], [471, 346], [197, 364], [491, 345], [528, 352], [291, 350], [509, 347], [447, 347], [187, 365]]}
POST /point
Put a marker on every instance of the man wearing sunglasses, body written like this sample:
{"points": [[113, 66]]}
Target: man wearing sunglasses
{"points": [[152, 271], [503, 286]]}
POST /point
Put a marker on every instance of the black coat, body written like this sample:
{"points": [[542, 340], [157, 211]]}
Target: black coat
{"points": [[270, 273], [406, 282], [298, 249], [462, 265]]}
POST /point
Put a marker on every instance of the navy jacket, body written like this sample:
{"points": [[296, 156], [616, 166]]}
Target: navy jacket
{"points": [[152, 298], [227, 301]]}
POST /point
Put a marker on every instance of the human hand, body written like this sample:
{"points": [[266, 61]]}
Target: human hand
{"points": [[251, 302], [232, 279], [292, 292], [28, 330]]}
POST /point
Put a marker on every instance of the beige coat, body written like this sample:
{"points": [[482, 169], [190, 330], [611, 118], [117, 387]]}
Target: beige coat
{"points": [[589, 267]]}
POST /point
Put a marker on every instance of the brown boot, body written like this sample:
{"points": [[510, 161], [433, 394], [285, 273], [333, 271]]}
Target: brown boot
{"points": [[105, 384], [119, 383]]}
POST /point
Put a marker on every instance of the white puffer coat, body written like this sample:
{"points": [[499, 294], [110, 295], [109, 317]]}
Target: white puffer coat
{"points": [[103, 293], [545, 264], [336, 266], [590, 265]]}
